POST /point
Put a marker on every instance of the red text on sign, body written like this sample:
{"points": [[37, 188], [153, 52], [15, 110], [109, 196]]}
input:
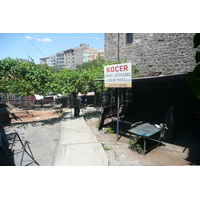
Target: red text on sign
{"points": [[117, 68]]}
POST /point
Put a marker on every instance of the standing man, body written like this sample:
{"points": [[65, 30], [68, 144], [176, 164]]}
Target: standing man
{"points": [[169, 120], [77, 105]]}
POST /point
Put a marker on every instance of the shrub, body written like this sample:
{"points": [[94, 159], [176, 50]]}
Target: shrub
{"points": [[135, 145], [109, 130]]}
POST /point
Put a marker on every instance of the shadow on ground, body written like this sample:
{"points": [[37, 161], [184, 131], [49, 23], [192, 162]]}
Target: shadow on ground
{"points": [[52, 121], [6, 153], [89, 113]]}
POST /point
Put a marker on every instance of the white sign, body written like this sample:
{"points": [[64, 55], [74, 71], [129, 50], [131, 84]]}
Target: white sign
{"points": [[118, 76]]}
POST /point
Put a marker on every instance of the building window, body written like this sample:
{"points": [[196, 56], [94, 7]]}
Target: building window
{"points": [[129, 38]]}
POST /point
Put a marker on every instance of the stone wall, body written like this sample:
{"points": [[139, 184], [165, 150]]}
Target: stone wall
{"points": [[169, 53]]}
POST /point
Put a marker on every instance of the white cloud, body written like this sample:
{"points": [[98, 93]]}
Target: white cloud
{"points": [[44, 40], [96, 38], [29, 37]]}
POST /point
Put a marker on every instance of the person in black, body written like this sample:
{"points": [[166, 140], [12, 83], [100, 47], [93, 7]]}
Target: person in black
{"points": [[77, 105]]}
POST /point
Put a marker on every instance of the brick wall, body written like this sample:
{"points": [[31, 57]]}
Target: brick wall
{"points": [[169, 53]]}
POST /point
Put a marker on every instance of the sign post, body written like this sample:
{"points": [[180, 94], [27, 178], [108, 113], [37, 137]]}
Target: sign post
{"points": [[118, 76]]}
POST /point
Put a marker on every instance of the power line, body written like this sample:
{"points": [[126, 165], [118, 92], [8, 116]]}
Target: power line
{"points": [[33, 45]]}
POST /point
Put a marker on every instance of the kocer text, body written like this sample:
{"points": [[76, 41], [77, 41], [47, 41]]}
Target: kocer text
{"points": [[117, 68]]}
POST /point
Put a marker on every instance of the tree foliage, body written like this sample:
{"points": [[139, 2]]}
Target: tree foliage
{"points": [[193, 78], [24, 78], [27, 78]]}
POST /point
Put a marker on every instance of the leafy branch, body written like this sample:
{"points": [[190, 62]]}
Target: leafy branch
{"points": [[193, 78]]}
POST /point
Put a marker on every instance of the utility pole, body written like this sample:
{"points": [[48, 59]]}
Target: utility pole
{"points": [[118, 94], [118, 48]]}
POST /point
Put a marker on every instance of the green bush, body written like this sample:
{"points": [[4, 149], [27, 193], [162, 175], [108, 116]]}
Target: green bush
{"points": [[109, 130], [135, 145]]}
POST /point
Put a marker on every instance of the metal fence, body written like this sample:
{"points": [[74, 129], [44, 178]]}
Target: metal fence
{"points": [[17, 100], [5, 97], [29, 101], [99, 99]]}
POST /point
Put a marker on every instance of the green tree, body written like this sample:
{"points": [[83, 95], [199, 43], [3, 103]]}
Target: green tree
{"points": [[27, 78], [24, 78], [65, 81]]}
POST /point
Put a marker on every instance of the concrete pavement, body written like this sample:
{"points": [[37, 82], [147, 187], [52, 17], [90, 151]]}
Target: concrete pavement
{"points": [[78, 146]]}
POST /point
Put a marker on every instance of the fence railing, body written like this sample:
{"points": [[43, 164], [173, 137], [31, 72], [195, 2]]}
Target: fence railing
{"points": [[27, 101], [4, 97]]}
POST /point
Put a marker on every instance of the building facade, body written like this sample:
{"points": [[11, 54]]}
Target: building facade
{"points": [[69, 58], [78, 54], [51, 61], [72, 57], [168, 53], [60, 59], [43, 61], [92, 54]]}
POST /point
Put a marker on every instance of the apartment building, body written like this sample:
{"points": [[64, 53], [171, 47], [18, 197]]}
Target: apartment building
{"points": [[51, 61], [60, 59], [68, 61], [43, 61], [91, 54], [69, 58]]}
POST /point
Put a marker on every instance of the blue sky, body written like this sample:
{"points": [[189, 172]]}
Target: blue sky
{"points": [[16, 45]]}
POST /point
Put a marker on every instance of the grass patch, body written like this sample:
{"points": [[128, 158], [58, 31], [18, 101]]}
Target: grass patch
{"points": [[105, 147], [135, 145], [109, 130]]}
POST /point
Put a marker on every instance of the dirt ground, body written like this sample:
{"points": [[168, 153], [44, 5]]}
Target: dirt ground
{"points": [[118, 151], [120, 154], [21, 115]]}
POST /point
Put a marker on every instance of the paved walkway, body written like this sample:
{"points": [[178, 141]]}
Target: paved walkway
{"points": [[78, 146]]}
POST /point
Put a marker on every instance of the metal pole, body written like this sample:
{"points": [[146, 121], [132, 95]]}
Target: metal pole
{"points": [[118, 94], [117, 114], [118, 48]]}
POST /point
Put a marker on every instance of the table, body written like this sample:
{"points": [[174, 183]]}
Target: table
{"points": [[145, 131]]}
